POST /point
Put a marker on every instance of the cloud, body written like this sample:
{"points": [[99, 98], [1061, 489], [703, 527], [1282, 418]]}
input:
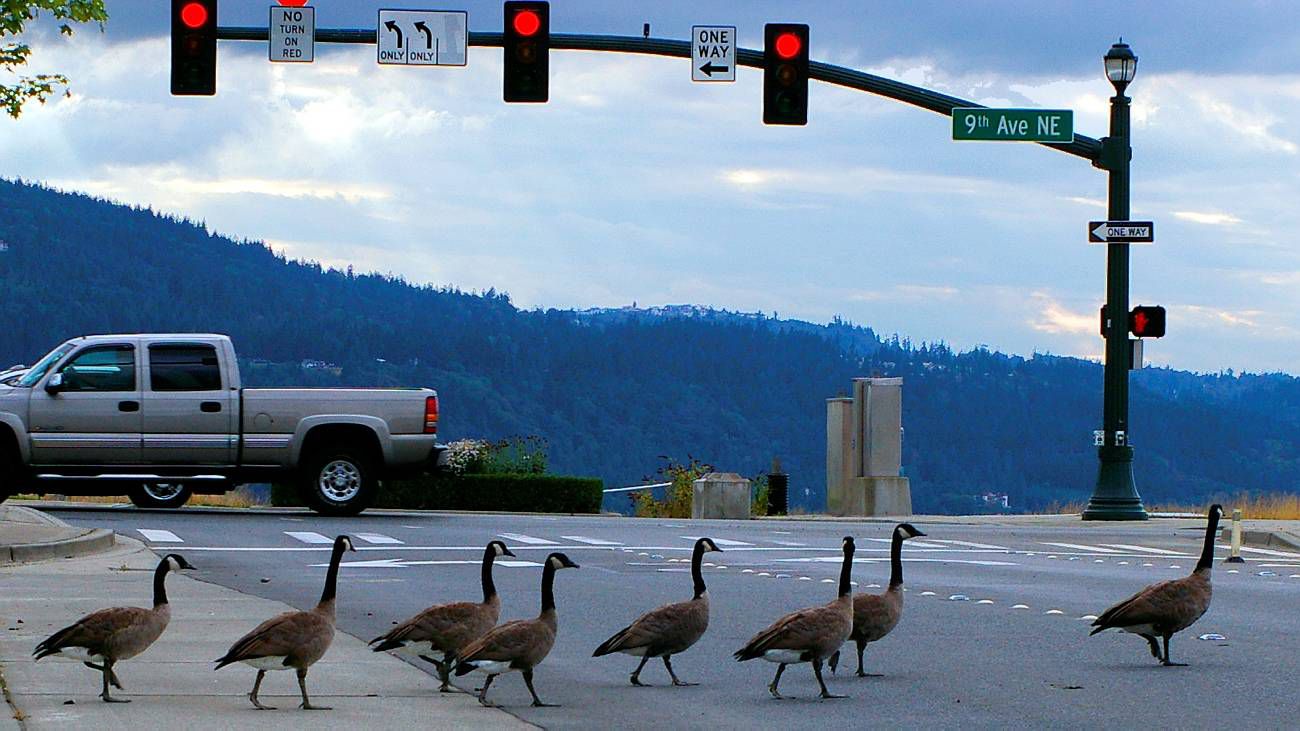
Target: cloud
{"points": [[1207, 218], [1050, 316]]}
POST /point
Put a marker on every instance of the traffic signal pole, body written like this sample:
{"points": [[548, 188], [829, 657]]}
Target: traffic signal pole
{"points": [[1115, 496]]}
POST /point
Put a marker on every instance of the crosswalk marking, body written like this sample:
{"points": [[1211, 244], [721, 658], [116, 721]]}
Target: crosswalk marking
{"points": [[591, 541], [1146, 549], [307, 536], [970, 544], [401, 563], [159, 536], [521, 538], [788, 543], [379, 538], [1077, 547], [910, 544], [720, 541]]}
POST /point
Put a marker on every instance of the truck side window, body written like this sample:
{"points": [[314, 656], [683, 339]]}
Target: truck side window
{"points": [[110, 368], [184, 368]]}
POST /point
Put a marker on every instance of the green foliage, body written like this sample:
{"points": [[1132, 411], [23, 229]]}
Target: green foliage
{"points": [[14, 15], [516, 455], [758, 492], [678, 496], [496, 492]]}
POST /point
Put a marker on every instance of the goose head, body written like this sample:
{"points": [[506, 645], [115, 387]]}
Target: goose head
{"points": [[849, 548], [709, 545], [907, 530], [1216, 511], [343, 543], [499, 549], [559, 561], [176, 562]]}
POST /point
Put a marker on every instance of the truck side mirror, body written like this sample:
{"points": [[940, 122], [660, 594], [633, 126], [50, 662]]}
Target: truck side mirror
{"points": [[54, 384]]}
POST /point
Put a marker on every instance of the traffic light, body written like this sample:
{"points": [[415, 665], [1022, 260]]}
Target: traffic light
{"points": [[785, 73], [1147, 321], [527, 46], [194, 47]]}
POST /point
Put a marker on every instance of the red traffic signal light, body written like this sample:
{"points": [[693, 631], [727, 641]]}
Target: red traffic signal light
{"points": [[194, 47], [526, 44], [1147, 321], [785, 73]]}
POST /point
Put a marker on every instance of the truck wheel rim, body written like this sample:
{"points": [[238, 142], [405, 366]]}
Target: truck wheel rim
{"points": [[340, 481], [163, 490]]}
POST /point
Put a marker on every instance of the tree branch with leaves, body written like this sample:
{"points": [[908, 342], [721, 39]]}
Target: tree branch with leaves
{"points": [[14, 15]]}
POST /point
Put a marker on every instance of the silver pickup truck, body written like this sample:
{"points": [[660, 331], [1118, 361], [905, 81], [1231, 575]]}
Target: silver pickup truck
{"points": [[160, 417]]}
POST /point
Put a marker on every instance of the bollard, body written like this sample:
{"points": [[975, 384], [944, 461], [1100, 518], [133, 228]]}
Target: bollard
{"points": [[1235, 556], [778, 493]]}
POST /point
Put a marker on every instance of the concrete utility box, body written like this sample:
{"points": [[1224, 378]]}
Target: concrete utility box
{"points": [[720, 495], [864, 451]]}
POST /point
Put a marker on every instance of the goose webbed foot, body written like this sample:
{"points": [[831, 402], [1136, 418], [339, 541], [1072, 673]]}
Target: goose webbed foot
{"points": [[109, 677], [537, 702], [636, 674], [771, 688], [258, 704], [1166, 663], [482, 693], [252, 695], [635, 680], [110, 699], [676, 681], [817, 671], [306, 702]]}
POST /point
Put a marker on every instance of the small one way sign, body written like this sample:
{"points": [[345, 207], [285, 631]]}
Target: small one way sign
{"points": [[713, 53], [1121, 232]]}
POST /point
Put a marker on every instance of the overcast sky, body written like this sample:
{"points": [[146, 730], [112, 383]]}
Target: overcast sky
{"points": [[633, 184]]}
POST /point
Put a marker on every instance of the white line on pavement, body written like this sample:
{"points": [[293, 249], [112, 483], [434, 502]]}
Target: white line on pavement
{"points": [[592, 541], [159, 536], [1147, 549], [787, 543], [521, 538], [833, 559], [379, 538], [1077, 547], [307, 536], [720, 541], [969, 544]]}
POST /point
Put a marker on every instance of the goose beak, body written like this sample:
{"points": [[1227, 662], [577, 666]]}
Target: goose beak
{"points": [[508, 552]]}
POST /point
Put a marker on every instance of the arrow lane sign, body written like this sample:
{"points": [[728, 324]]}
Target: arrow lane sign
{"points": [[393, 27], [1121, 232], [709, 68], [428, 35]]}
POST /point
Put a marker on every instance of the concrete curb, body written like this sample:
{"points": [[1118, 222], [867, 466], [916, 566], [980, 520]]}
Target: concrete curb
{"points": [[85, 541], [1276, 539]]}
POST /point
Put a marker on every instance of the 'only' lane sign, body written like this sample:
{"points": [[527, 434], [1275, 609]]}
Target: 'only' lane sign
{"points": [[1121, 232]]}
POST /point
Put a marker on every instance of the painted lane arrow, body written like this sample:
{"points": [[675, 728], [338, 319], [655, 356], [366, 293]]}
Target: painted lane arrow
{"points": [[393, 27], [708, 68], [428, 34]]}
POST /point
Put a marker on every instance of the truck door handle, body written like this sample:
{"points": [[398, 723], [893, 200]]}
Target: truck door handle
{"points": [[210, 407], [128, 406]]}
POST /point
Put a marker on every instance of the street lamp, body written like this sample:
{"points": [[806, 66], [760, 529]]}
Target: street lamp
{"points": [[1115, 496]]}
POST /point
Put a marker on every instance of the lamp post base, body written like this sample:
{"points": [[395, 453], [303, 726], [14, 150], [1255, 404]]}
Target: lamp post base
{"points": [[1115, 496]]}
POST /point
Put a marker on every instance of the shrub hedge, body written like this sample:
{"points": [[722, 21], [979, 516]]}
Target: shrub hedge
{"points": [[499, 492]]}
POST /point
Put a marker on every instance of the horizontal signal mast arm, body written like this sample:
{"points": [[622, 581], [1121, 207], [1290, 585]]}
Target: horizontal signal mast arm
{"points": [[1085, 147]]}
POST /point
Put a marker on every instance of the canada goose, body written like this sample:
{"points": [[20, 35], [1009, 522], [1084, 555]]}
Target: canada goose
{"points": [[808, 635], [446, 628], [114, 634], [518, 645], [1168, 607], [876, 615], [668, 630], [293, 639]]}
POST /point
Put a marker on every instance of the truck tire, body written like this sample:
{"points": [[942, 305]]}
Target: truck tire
{"points": [[159, 495], [337, 480]]}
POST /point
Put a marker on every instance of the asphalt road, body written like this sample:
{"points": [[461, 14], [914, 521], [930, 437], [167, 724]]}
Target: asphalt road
{"points": [[994, 633]]}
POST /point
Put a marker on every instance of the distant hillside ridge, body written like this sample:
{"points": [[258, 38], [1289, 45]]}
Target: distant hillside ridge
{"points": [[614, 389]]}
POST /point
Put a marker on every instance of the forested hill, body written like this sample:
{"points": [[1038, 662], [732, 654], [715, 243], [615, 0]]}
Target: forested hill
{"points": [[612, 391]]}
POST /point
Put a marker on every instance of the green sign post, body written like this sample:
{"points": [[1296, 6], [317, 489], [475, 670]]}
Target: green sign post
{"points": [[1013, 125]]}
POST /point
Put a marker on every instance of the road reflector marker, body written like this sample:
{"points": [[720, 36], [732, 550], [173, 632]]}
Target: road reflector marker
{"points": [[1087, 617], [1019, 606], [158, 536], [1053, 611]]}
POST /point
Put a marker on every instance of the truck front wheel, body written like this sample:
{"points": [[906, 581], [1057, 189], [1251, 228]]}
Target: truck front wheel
{"points": [[338, 481], [159, 495]]}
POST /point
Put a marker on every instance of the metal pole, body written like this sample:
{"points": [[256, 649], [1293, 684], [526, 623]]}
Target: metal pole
{"points": [[1115, 496]]}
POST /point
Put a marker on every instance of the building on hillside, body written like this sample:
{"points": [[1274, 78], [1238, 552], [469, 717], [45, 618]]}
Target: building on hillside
{"points": [[996, 499]]}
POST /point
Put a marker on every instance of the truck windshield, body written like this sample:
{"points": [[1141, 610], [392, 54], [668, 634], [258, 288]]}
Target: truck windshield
{"points": [[39, 370]]}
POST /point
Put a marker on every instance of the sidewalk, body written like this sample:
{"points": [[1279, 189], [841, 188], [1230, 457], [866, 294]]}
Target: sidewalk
{"points": [[172, 684], [29, 535]]}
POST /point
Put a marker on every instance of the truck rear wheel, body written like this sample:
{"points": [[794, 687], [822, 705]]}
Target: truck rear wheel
{"points": [[338, 481], [159, 495]]}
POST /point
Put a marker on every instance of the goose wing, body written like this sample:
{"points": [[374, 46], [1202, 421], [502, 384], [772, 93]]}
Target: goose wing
{"points": [[656, 627], [447, 626], [282, 635], [94, 631], [1172, 604], [795, 631], [509, 641]]}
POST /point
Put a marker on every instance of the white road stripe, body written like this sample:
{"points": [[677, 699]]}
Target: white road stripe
{"points": [[379, 538], [1077, 547], [401, 563], [787, 543], [307, 536], [1267, 552], [521, 538], [592, 541], [159, 536], [967, 543], [1147, 549], [833, 559], [910, 544], [720, 541]]}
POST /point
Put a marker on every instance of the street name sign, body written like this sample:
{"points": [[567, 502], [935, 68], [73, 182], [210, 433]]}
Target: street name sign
{"points": [[292, 34], [1013, 125], [1121, 232], [713, 53], [423, 37]]}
